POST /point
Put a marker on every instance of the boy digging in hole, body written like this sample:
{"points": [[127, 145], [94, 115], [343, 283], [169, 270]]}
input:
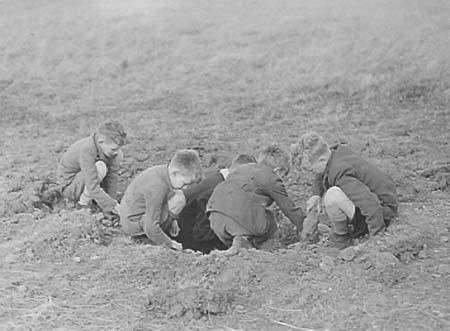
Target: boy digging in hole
{"points": [[88, 170], [238, 208], [358, 197], [144, 209]]}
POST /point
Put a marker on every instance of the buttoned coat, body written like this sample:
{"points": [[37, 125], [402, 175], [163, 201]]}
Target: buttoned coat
{"points": [[247, 193], [369, 188]]}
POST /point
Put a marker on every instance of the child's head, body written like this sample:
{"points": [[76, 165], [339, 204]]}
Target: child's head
{"points": [[110, 137], [276, 158], [241, 159], [311, 153], [184, 168]]}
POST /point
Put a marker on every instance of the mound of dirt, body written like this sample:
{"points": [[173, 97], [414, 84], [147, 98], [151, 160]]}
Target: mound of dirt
{"points": [[24, 196], [76, 230]]}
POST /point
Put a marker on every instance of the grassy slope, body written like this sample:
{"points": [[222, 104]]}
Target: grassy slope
{"points": [[259, 71]]}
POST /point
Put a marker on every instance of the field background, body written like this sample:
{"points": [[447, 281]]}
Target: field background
{"points": [[223, 77]]}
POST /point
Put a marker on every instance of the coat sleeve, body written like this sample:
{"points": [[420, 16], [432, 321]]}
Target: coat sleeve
{"points": [[154, 200], [278, 193], [90, 175], [363, 198], [195, 190], [111, 180]]}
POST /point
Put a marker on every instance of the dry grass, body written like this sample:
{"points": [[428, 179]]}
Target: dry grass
{"points": [[214, 57]]}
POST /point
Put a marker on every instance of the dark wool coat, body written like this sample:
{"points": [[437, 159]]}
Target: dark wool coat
{"points": [[370, 189], [247, 192]]}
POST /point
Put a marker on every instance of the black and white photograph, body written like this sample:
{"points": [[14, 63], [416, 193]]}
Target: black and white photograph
{"points": [[224, 165]]}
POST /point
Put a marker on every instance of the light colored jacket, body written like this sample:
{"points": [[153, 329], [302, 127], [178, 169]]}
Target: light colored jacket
{"points": [[81, 157], [144, 207]]}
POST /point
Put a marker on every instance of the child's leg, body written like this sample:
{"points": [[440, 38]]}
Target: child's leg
{"points": [[226, 229], [389, 214], [102, 170], [132, 226], [340, 209], [271, 227], [73, 191]]}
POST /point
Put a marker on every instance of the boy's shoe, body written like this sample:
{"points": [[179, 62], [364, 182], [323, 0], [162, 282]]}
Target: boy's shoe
{"points": [[92, 207], [79, 206], [339, 241], [242, 242]]}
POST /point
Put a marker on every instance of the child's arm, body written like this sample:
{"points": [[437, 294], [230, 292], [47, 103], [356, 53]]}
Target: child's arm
{"points": [[363, 198], [154, 200], [111, 180], [210, 182], [277, 192], [90, 175]]}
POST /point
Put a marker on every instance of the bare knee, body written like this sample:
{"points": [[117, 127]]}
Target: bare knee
{"points": [[333, 196], [102, 170]]}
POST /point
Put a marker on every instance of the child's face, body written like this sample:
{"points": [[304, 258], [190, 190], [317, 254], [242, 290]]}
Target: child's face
{"points": [[109, 147], [180, 180], [317, 167]]}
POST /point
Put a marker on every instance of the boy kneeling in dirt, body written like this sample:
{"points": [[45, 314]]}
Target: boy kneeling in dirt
{"points": [[89, 169], [190, 205], [238, 208], [144, 209], [358, 197]]}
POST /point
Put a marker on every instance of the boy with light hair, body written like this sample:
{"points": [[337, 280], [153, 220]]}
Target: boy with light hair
{"points": [[238, 208], [358, 197], [88, 170], [144, 208]]}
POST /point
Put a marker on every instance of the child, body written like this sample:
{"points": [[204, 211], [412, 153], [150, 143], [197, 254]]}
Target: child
{"points": [[359, 198], [238, 208], [190, 205], [89, 168], [144, 208]]}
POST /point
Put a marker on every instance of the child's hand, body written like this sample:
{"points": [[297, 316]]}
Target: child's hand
{"points": [[312, 202], [115, 210], [174, 229], [176, 246], [177, 202], [310, 232]]}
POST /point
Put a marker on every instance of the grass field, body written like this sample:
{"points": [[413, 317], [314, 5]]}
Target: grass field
{"points": [[223, 77]]}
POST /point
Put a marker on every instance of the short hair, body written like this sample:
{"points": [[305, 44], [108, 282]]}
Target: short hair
{"points": [[113, 130], [275, 157], [309, 148], [242, 159], [187, 161]]}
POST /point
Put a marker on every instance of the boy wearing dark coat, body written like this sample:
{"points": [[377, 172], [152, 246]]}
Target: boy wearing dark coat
{"points": [[89, 169], [358, 197], [238, 208]]}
